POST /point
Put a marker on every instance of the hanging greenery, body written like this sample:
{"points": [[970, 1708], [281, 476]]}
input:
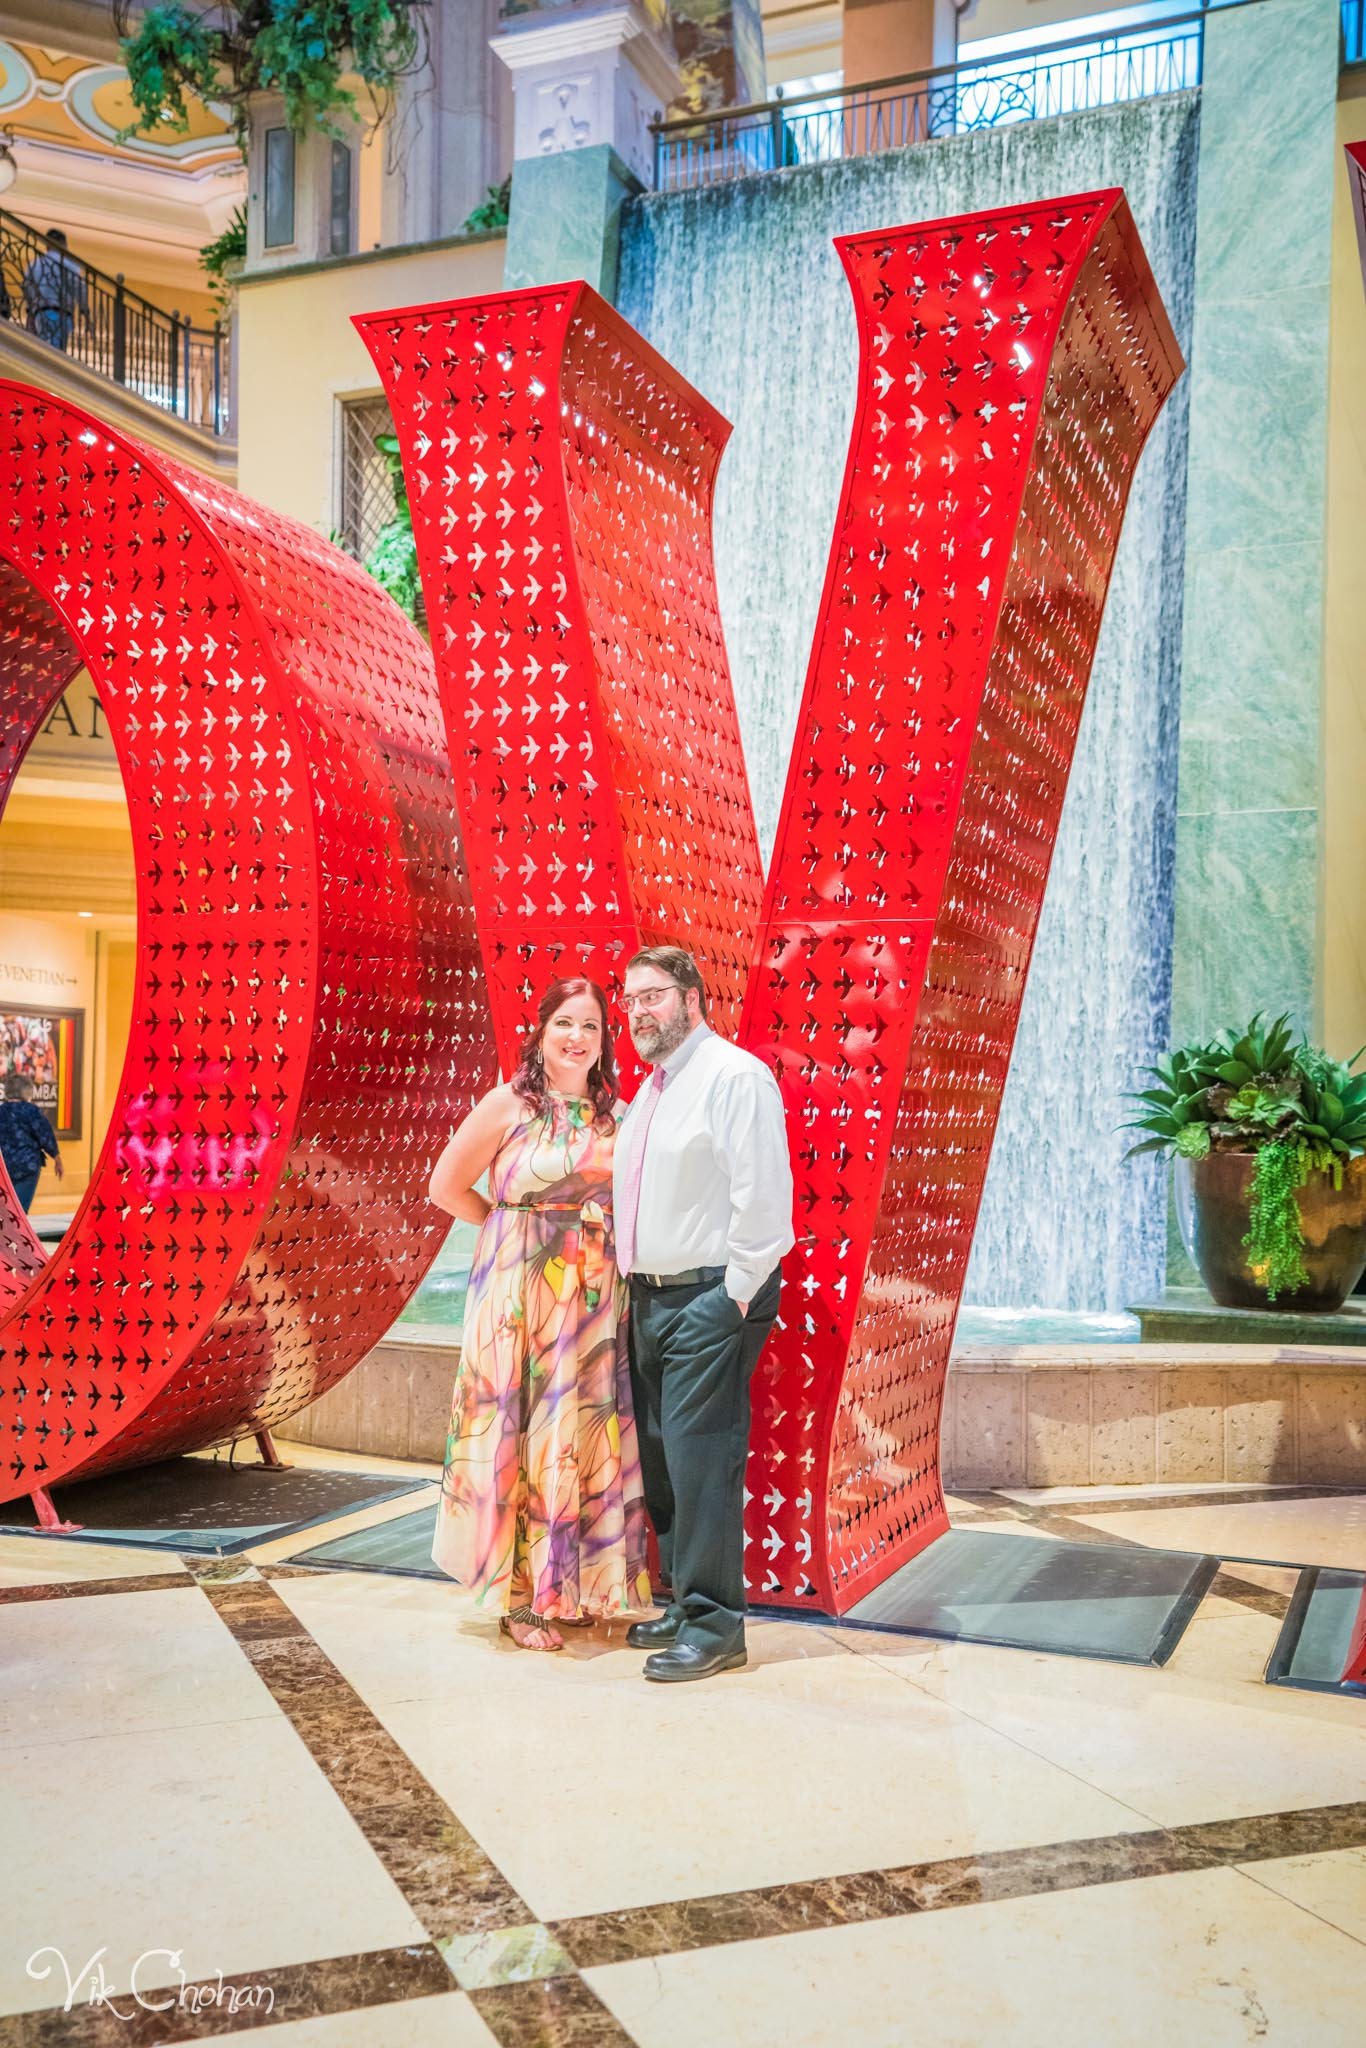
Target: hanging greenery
{"points": [[1275, 1237], [217, 257], [301, 49], [392, 561]]}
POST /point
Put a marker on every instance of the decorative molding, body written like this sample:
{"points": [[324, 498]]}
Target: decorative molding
{"points": [[569, 109], [587, 79]]}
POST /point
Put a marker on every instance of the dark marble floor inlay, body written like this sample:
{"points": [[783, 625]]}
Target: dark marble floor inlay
{"points": [[670, 1929], [263, 1998], [75, 1589], [1234, 1497], [447, 1879], [485, 1930], [1246, 1593], [552, 2012]]}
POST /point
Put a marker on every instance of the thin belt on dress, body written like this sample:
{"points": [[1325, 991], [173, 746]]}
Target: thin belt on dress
{"points": [[585, 1249]]}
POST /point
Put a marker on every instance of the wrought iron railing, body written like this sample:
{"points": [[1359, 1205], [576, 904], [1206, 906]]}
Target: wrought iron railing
{"points": [[986, 92], [96, 320]]}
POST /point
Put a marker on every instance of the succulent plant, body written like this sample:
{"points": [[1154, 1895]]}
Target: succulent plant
{"points": [[1235, 1092], [1333, 1116], [1259, 1091]]}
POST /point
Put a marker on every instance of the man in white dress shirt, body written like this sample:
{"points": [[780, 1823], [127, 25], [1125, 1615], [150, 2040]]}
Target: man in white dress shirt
{"points": [[703, 1208]]}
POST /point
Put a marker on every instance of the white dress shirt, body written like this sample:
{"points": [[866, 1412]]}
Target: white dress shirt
{"points": [[717, 1183]]}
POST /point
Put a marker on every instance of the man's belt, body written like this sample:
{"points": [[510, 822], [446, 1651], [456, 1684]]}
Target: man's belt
{"points": [[693, 1276]]}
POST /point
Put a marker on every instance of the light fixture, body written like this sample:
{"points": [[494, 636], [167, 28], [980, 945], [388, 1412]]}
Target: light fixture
{"points": [[85, 913], [9, 168]]}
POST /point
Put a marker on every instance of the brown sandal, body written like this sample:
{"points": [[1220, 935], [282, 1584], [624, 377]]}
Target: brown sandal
{"points": [[527, 1617]]}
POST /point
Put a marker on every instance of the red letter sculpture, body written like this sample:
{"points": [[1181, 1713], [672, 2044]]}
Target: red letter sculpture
{"points": [[309, 1015], [1011, 367], [561, 475]]}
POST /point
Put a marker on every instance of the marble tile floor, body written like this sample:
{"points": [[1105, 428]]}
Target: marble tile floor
{"points": [[336, 1810]]}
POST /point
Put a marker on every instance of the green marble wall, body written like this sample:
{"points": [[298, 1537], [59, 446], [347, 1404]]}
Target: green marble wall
{"points": [[1247, 861], [565, 216]]}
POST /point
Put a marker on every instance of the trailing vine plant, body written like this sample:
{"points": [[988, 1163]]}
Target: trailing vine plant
{"points": [[1275, 1237], [301, 49]]}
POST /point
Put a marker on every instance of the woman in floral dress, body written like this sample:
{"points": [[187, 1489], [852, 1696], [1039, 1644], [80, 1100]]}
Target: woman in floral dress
{"points": [[541, 1508]]}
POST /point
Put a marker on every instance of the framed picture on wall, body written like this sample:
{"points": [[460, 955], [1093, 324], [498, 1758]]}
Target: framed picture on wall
{"points": [[46, 1044]]}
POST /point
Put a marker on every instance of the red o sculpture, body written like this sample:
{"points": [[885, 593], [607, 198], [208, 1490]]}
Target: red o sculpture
{"points": [[1011, 367], [309, 1016]]}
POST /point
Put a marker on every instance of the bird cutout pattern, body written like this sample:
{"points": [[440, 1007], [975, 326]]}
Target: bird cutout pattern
{"points": [[309, 1017], [1012, 364], [561, 477]]}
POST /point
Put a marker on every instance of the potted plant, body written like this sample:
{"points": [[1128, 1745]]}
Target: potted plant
{"points": [[1269, 1139]]}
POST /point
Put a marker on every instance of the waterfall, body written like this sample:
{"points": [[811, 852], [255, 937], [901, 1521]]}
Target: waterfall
{"points": [[740, 288]]}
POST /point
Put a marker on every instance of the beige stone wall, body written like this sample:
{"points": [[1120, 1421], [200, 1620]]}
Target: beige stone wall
{"points": [[1135, 1415], [1127, 1415], [299, 357], [1342, 970], [396, 1403]]}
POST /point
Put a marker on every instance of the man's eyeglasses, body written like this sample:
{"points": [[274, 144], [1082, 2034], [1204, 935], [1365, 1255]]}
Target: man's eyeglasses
{"points": [[648, 998]]}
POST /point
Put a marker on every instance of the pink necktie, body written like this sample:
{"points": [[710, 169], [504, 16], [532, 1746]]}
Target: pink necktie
{"points": [[630, 1200]]}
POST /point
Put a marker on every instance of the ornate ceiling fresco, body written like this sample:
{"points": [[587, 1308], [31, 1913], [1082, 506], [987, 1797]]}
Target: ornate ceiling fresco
{"points": [[72, 103]]}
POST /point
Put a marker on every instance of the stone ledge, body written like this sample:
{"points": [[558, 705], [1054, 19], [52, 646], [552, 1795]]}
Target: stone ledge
{"points": [[1306, 1358], [395, 1404], [1140, 1414], [1023, 1415]]}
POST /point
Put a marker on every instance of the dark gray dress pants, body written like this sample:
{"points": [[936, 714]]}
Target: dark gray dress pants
{"points": [[692, 1355]]}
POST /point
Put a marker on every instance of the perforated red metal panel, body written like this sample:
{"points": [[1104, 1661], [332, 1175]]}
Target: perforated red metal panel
{"points": [[1012, 365], [561, 477], [309, 1017], [1356, 181]]}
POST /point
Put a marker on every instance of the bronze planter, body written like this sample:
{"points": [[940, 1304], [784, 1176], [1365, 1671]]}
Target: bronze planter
{"points": [[1212, 1197]]}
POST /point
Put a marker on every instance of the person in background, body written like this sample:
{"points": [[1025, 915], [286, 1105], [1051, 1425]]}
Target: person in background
{"points": [[26, 1139], [704, 1215], [542, 1512], [54, 291]]}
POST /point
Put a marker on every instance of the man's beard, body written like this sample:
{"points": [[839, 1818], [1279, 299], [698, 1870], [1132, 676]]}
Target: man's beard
{"points": [[664, 1039]]}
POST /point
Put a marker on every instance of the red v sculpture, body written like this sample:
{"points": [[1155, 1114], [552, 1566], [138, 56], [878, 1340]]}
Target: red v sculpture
{"points": [[560, 474]]}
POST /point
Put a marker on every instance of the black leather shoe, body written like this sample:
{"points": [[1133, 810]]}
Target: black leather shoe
{"points": [[693, 1660], [656, 1634]]}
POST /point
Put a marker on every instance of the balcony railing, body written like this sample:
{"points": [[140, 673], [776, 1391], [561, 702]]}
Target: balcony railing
{"points": [[987, 92], [1353, 31], [95, 320]]}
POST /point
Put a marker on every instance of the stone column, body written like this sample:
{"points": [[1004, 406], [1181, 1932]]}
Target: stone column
{"points": [[1249, 793], [1248, 914], [587, 84], [886, 38], [449, 136]]}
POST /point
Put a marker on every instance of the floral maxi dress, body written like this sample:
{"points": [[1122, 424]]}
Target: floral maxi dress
{"points": [[541, 1499]]}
